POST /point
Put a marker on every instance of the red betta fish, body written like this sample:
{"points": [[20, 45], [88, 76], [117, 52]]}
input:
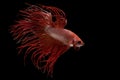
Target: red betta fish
{"points": [[41, 33]]}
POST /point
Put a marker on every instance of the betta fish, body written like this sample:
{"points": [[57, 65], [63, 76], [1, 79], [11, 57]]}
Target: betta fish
{"points": [[41, 33]]}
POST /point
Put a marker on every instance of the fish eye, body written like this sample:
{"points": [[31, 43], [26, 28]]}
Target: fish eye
{"points": [[79, 42]]}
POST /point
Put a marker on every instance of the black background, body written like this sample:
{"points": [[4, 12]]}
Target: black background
{"points": [[88, 19]]}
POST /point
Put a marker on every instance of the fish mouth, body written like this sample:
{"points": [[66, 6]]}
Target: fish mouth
{"points": [[79, 45]]}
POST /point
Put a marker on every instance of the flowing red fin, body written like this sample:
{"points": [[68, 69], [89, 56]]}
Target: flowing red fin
{"points": [[30, 35], [59, 16]]}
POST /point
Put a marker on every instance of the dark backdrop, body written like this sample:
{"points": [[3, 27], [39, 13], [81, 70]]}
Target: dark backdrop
{"points": [[88, 19]]}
